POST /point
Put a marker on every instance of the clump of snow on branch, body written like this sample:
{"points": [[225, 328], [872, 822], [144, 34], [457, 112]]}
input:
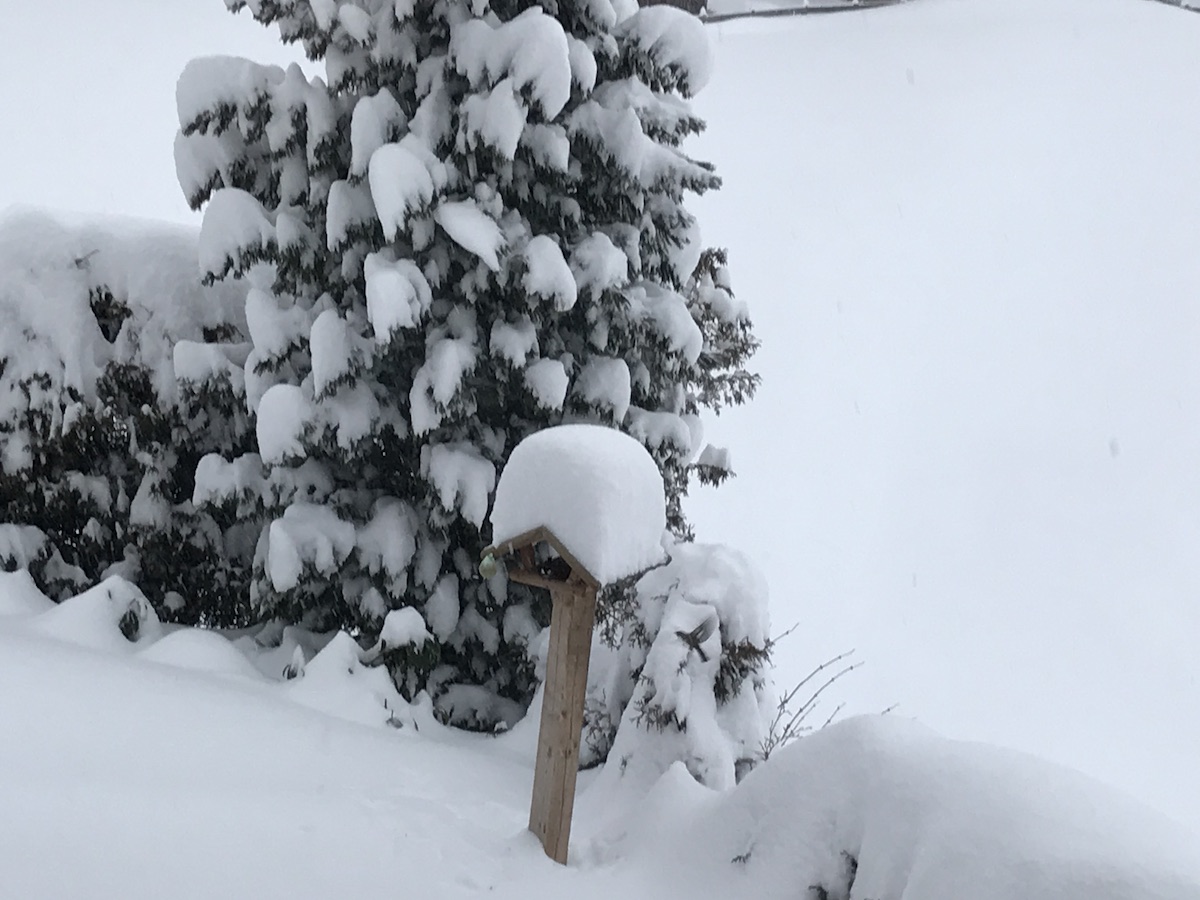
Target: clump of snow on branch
{"points": [[222, 82], [547, 380], [404, 628], [235, 231], [472, 229], [439, 378], [218, 479], [401, 184], [283, 415], [397, 294], [388, 542], [198, 363], [375, 120], [514, 341], [606, 384], [548, 275], [20, 546], [462, 478], [496, 118], [531, 50], [331, 350], [308, 535], [599, 265], [675, 40], [671, 318], [349, 208]]}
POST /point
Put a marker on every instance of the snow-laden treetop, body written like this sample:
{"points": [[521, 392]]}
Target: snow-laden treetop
{"points": [[597, 489]]}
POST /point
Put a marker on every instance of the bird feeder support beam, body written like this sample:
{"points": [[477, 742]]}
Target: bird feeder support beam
{"points": [[568, 656]]}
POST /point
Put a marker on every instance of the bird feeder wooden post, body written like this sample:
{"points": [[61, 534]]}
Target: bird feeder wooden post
{"points": [[573, 594]]}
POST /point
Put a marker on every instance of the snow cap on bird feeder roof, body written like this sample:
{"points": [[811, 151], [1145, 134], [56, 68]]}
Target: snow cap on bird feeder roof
{"points": [[595, 489]]}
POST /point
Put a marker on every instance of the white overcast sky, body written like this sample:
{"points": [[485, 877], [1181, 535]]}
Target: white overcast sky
{"points": [[87, 98]]}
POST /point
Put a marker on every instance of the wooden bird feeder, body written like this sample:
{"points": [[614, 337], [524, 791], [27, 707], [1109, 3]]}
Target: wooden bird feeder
{"points": [[573, 592]]}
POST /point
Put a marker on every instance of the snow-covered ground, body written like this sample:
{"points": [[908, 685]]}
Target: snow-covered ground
{"points": [[966, 229], [170, 767]]}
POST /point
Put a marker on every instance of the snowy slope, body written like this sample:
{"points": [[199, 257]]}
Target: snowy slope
{"points": [[160, 769], [123, 778], [967, 230]]}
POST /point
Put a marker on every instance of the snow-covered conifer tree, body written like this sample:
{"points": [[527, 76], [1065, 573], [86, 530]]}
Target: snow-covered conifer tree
{"points": [[470, 227]]}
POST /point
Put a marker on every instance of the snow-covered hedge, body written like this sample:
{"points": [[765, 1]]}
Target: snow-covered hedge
{"points": [[99, 438]]}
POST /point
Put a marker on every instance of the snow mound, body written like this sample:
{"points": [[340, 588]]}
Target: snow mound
{"points": [[336, 682], [884, 807], [19, 596], [114, 616], [276, 647], [998, 378], [595, 488], [200, 651]]}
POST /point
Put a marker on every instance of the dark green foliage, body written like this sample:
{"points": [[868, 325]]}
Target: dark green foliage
{"points": [[95, 465], [740, 660]]}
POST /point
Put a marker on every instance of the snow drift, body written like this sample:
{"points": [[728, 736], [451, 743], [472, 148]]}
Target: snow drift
{"points": [[884, 807], [141, 760]]}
